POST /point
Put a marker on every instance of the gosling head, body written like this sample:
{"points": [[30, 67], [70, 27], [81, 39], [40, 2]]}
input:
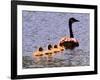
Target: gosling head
{"points": [[60, 44], [55, 46], [40, 49], [49, 47]]}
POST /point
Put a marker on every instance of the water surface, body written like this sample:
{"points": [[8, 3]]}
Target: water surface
{"points": [[42, 28]]}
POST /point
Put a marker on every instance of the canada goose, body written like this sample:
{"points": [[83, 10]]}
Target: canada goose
{"points": [[38, 54], [70, 42]]}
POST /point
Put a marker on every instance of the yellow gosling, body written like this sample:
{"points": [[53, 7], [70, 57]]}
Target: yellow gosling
{"points": [[56, 49], [48, 53], [61, 47], [37, 55]]}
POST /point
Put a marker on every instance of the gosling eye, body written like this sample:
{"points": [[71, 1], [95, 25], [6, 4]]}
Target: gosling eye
{"points": [[50, 53], [36, 55], [46, 53], [41, 54], [62, 49]]}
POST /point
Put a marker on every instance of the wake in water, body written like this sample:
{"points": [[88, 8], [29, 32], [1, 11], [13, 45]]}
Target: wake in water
{"points": [[68, 58]]}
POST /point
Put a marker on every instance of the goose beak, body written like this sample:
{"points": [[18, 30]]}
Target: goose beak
{"points": [[77, 21]]}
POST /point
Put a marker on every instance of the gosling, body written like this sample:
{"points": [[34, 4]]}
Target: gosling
{"points": [[38, 54], [49, 53]]}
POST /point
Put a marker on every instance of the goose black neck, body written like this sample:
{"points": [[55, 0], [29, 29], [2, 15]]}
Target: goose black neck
{"points": [[70, 30]]}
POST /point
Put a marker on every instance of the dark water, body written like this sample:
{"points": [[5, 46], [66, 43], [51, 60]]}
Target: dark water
{"points": [[68, 58]]}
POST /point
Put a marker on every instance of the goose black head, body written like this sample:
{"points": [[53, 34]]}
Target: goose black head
{"points": [[72, 20]]}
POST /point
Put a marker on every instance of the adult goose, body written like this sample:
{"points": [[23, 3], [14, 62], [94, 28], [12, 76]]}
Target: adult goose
{"points": [[70, 42]]}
